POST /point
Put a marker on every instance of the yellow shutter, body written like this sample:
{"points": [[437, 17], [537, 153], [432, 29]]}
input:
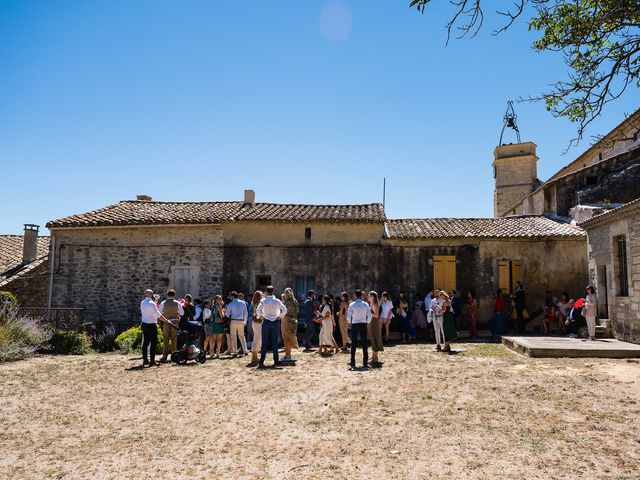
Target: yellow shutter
{"points": [[444, 272], [515, 274], [438, 272], [504, 282]]}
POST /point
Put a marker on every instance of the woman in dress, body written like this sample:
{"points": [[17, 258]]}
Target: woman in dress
{"points": [[342, 321], [289, 324], [209, 339], [562, 309], [375, 328], [217, 326], [472, 314], [327, 342], [550, 316], [418, 320], [386, 312], [589, 311], [407, 332], [448, 322], [256, 326]]}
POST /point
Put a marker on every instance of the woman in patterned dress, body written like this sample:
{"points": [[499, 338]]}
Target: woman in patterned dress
{"points": [[289, 325]]}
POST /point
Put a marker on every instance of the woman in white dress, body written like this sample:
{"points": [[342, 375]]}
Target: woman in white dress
{"points": [[386, 312], [590, 310], [327, 342]]}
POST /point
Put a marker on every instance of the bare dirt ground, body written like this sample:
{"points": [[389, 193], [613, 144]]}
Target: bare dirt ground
{"points": [[485, 413]]}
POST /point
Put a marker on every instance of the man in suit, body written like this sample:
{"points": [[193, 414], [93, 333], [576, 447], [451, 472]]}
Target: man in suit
{"points": [[309, 316]]}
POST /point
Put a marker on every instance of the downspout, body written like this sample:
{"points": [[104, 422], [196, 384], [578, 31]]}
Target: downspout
{"points": [[52, 258]]}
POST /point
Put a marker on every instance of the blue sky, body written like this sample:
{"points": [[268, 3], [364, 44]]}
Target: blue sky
{"points": [[198, 100]]}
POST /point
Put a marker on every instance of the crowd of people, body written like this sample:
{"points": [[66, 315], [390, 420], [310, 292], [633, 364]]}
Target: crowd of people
{"points": [[240, 326]]}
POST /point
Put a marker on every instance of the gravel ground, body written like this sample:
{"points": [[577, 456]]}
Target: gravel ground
{"points": [[484, 412]]}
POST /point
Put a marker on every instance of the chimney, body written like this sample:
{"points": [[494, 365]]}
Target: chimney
{"points": [[143, 198], [249, 198], [30, 247]]}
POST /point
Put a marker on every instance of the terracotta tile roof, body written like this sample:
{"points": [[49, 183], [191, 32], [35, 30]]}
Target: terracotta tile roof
{"points": [[529, 226], [134, 212], [612, 215], [11, 251]]}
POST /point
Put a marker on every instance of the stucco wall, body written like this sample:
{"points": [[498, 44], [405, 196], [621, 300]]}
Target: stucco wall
{"points": [[106, 270], [624, 312]]}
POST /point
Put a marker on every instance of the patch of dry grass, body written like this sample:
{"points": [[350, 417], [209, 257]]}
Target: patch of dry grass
{"points": [[483, 413]]}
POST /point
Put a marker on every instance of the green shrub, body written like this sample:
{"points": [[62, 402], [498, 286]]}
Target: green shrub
{"points": [[8, 297], [19, 336], [131, 340], [70, 343]]}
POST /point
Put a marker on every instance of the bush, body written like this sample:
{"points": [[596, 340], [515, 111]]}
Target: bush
{"points": [[103, 337], [131, 340], [19, 336], [8, 297], [70, 343]]}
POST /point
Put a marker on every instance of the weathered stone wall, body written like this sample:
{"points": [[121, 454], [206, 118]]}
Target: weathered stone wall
{"points": [[31, 287], [624, 312], [407, 266], [515, 168], [106, 270]]}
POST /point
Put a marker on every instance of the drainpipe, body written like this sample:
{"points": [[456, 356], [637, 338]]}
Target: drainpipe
{"points": [[52, 262]]}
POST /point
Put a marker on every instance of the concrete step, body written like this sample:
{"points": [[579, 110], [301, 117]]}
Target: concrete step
{"points": [[555, 347]]}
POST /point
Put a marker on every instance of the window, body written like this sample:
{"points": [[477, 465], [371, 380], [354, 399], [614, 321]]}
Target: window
{"points": [[302, 284], [444, 272], [184, 280], [591, 180], [509, 272], [307, 233], [623, 282], [262, 282]]}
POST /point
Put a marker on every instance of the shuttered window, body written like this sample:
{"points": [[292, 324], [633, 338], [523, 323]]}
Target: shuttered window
{"points": [[509, 272], [444, 272]]}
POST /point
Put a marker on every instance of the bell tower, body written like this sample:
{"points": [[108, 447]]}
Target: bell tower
{"points": [[515, 169]]}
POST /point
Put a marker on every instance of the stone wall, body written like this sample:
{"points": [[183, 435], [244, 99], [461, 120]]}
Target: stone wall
{"points": [[623, 312], [30, 287], [106, 270], [396, 265]]}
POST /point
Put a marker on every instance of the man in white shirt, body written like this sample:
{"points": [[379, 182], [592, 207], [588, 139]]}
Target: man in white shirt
{"points": [[271, 310], [149, 324], [358, 317]]}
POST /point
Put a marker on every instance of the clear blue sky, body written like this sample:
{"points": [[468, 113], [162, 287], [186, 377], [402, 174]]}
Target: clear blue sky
{"points": [[198, 100]]}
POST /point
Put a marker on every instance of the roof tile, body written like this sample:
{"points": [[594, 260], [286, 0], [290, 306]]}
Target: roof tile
{"points": [[133, 212], [530, 226]]}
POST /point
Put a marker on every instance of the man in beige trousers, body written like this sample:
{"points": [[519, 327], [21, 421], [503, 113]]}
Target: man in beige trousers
{"points": [[172, 311]]}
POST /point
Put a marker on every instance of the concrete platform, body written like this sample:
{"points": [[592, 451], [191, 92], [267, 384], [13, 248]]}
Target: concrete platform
{"points": [[554, 347]]}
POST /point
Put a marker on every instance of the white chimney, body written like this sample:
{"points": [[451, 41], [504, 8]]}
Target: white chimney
{"points": [[30, 246], [249, 198]]}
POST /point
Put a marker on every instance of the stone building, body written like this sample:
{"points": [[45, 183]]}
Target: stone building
{"points": [[614, 267], [103, 260], [606, 173], [23, 266]]}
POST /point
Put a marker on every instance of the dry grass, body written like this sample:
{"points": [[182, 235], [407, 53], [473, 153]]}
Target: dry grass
{"points": [[483, 413]]}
